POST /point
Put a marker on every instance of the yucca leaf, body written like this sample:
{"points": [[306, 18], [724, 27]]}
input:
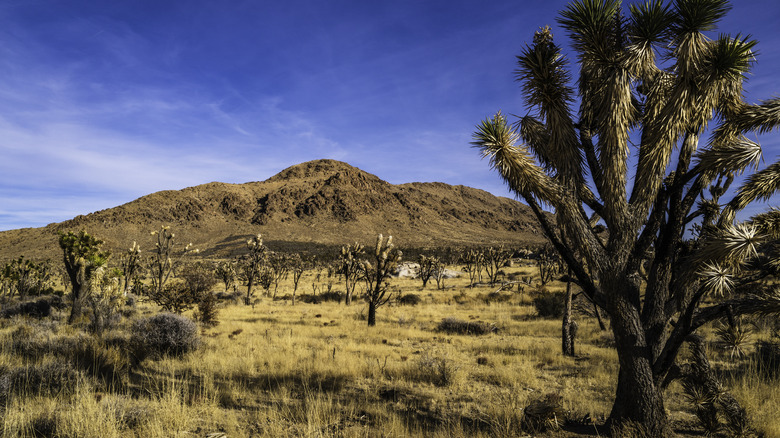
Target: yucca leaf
{"points": [[760, 118], [727, 157], [717, 279], [497, 141], [728, 59], [649, 22], [535, 136], [698, 15], [732, 245], [768, 222], [591, 26], [759, 186]]}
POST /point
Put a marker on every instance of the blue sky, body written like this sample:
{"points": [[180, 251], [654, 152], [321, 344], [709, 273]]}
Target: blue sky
{"points": [[102, 102]]}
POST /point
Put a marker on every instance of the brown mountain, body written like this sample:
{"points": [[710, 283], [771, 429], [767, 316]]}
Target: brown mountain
{"points": [[323, 202]]}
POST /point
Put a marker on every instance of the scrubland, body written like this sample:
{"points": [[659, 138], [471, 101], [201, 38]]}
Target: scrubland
{"points": [[316, 369]]}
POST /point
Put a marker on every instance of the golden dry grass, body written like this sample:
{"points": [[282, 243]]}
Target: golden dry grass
{"points": [[317, 370]]}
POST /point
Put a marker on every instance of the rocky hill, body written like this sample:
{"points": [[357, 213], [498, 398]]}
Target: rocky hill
{"points": [[316, 204]]}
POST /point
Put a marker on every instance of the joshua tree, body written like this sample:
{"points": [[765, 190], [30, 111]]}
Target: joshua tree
{"points": [[226, 271], [425, 270], [439, 273], [349, 266], [165, 258], [82, 255], [25, 277], [494, 260], [547, 262], [473, 261], [651, 281], [297, 267], [279, 267], [105, 298], [386, 260], [130, 262], [254, 263]]}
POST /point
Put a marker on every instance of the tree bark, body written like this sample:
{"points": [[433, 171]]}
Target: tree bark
{"points": [[567, 335], [371, 314], [637, 398], [248, 299], [348, 299], [79, 280]]}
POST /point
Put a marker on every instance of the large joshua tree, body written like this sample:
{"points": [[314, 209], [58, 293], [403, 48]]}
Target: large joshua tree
{"points": [[651, 85]]}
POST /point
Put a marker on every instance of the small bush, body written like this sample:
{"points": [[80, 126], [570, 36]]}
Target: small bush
{"points": [[549, 304], [325, 296], [33, 342], [175, 297], [233, 297], [543, 414], [459, 327], [39, 308], [438, 371], [495, 297], [163, 334], [207, 310], [409, 299], [199, 277]]}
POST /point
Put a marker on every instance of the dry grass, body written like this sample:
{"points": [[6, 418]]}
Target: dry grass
{"points": [[317, 370]]}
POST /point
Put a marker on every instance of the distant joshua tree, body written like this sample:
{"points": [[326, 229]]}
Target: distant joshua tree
{"points": [[254, 263], [427, 265], [386, 259], [82, 256], [130, 262], [349, 266], [165, 258], [226, 271]]}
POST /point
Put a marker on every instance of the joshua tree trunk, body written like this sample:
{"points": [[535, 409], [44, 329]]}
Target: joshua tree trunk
{"points": [[638, 397], [371, 314], [567, 332], [349, 287], [78, 283], [248, 298]]}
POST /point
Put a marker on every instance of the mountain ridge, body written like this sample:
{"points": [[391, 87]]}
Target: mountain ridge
{"points": [[325, 202]]}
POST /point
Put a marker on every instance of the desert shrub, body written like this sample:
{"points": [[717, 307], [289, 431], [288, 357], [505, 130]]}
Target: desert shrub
{"points": [[325, 296], [409, 299], [438, 371], [543, 414], [130, 413], [549, 304], [175, 297], [460, 327], [199, 277], [38, 308], [93, 356], [119, 339], [163, 334], [232, 297], [207, 310], [495, 297]]}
